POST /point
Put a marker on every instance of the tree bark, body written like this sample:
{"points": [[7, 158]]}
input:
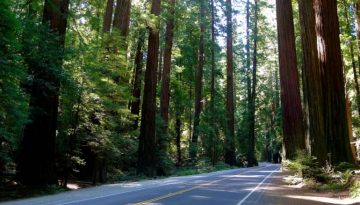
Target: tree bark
{"points": [[136, 93], [198, 84], [163, 139], [251, 154], [37, 163], [122, 17], [312, 76], [329, 54], [108, 16], [293, 130], [147, 141], [230, 157]]}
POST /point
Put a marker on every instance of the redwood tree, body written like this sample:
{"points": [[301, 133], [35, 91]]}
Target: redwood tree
{"points": [[147, 141], [329, 53], [165, 85], [312, 77], [230, 108], [198, 83], [36, 165], [252, 102], [293, 130]]}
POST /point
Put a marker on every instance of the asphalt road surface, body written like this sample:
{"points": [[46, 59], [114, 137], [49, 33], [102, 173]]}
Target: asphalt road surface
{"points": [[231, 187]]}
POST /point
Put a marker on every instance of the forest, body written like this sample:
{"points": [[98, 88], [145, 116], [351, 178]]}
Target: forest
{"points": [[104, 90]]}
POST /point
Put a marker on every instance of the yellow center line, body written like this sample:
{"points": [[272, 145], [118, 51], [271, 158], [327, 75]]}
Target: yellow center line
{"points": [[177, 193], [185, 190]]}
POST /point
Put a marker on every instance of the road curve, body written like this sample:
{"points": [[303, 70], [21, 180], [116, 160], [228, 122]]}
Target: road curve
{"points": [[230, 187]]}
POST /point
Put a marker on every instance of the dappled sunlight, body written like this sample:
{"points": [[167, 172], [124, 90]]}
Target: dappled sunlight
{"points": [[325, 199]]}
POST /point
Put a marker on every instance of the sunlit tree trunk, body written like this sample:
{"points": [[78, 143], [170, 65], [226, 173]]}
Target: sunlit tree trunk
{"points": [[147, 141], [312, 82], [293, 131], [329, 53], [37, 164], [108, 16], [122, 17]]}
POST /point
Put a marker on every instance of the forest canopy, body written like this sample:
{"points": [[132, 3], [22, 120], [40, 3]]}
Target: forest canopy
{"points": [[98, 90]]}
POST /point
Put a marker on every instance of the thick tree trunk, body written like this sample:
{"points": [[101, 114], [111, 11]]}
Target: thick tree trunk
{"points": [[329, 53], [147, 140], [312, 82], [293, 130], [251, 154], [36, 165], [122, 17], [108, 16], [230, 157], [163, 139], [136, 93], [198, 84]]}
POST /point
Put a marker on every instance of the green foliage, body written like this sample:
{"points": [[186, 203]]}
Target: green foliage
{"points": [[13, 103], [355, 190]]}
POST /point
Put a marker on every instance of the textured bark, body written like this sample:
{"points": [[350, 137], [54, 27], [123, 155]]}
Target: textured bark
{"points": [[329, 53], [147, 140], [229, 139], [136, 93], [198, 84], [165, 84], [251, 152], [108, 16], [312, 82], [122, 16], [293, 130], [36, 165]]}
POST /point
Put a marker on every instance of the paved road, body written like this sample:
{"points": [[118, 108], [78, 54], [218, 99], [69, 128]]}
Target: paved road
{"points": [[231, 187]]}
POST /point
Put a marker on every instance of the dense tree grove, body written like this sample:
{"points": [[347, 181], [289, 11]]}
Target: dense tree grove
{"points": [[96, 90]]}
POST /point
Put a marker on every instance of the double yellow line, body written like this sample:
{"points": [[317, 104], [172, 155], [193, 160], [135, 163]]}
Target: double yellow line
{"points": [[177, 193], [185, 190]]}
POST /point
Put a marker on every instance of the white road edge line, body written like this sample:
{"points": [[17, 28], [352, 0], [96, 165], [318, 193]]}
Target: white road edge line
{"points": [[140, 189], [252, 191]]}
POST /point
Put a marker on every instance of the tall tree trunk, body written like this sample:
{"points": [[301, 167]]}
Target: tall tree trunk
{"points": [[312, 82], [212, 89], [357, 16], [230, 157], [248, 69], [213, 63], [198, 84], [178, 140], [165, 83], [36, 165], [108, 16], [122, 16], [136, 93], [352, 54], [251, 154], [147, 140], [293, 130], [329, 53]]}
